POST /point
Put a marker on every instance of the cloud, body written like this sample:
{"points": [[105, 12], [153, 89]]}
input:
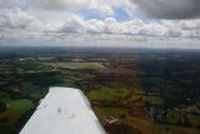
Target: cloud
{"points": [[60, 4], [103, 7], [15, 18], [189, 29], [134, 30], [111, 26], [37, 22], [17, 24], [5, 4], [170, 9], [73, 5], [1, 37], [73, 24]]}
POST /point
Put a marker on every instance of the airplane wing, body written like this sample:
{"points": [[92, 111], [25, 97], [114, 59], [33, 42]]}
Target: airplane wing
{"points": [[63, 111]]}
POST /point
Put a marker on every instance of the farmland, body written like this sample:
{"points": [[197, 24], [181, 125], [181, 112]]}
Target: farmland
{"points": [[147, 91]]}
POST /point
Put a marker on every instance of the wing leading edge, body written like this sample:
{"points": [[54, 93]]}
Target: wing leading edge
{"points": [[63, 111]]}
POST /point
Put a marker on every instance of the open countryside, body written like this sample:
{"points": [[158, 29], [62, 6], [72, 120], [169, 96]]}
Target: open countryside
{"points": [[131, 90]]}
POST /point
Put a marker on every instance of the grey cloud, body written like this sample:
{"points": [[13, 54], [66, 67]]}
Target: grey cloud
{"points": [[59, 4], [17, 19], [4, 4], [173, 33], [170, 9], [1, 37], [49, 4], [73, 24]]}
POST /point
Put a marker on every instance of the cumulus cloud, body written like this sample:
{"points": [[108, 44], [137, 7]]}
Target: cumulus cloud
{"points": [[111, 26], [184, 28], [26, 22], [104, 7], [17, 19], [170, 9], [73, 24], [76, 28], [73, 5]]}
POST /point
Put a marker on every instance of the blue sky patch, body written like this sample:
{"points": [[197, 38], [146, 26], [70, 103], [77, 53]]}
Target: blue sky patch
{"points": [[121, 14], [91, 14]]}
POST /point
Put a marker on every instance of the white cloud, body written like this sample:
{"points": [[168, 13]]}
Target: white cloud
{"points": [[104, 7], [185, 28], [15, 18], [19, 23], [95, 26], [73, 24]]}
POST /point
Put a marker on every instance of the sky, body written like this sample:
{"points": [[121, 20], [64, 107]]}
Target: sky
{"points": [[151, 23]]}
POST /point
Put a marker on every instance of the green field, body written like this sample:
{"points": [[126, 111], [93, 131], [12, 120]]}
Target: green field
{"points": [[108, 94], [20, 105], [78, 65]]}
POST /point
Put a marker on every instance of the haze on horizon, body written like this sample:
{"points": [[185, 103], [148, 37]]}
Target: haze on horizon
{"points": [[118, 23]]}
